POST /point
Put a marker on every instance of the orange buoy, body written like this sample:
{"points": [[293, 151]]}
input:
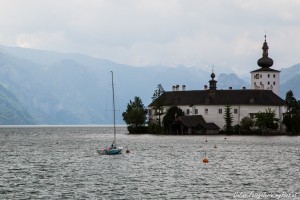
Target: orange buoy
{"points": [[127, 150], [205, 160]]}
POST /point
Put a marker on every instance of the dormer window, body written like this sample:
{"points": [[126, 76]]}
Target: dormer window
{"points": [[206, 100]]}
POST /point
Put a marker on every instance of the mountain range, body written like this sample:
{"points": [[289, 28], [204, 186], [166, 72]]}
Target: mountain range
{"points": [[44, 87]]}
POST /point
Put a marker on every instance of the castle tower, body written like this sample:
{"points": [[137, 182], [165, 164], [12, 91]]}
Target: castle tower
{"points": [[265, 78]]}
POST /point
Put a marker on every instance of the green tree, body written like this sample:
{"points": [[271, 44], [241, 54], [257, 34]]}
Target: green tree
{"points": [[169, 118], [292, 116], [266, 120], [291, 102], [159, 102], [246, 123], [228, 119], [135, 115]]}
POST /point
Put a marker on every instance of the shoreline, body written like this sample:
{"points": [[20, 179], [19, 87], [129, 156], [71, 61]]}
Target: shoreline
{"points": [[250, 134], [61, 126]]}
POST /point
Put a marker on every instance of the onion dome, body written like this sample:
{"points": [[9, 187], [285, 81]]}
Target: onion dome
{"points": [[212, 82], [265, 61], [212, 75]]}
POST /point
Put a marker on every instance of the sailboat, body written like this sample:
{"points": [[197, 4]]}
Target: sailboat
{"points": [[113, 148]]}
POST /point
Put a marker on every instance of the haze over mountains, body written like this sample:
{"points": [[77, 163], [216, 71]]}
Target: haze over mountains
{"points": [[43, 87]]}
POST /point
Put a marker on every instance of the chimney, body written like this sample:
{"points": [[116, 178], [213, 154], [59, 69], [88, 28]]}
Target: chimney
{"points": [[205, 87], [177, 87], [183, 87], [230, 88], [173, 88], [244, 88]]}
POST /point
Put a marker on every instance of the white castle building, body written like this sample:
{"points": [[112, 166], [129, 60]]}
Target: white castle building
{"points": [[204, 109]]}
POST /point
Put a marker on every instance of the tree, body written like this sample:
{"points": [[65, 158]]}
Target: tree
{"points": [[169, 118], [266, 120], [228, 119], [246, 123], [292, 117], [159, 102], [291, 102], [135, 115]]}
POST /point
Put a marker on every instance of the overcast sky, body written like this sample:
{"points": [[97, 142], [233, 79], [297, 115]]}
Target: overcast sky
{"points": [[225, 33]]}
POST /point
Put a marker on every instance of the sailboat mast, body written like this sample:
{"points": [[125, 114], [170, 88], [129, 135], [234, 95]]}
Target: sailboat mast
{"points": [[114, 110]]}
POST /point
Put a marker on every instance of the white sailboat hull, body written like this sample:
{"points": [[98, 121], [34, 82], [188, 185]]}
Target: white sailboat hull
{"points": [[109, 151]]}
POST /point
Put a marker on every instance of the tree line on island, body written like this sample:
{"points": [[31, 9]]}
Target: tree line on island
{"points": [[135, 117]]}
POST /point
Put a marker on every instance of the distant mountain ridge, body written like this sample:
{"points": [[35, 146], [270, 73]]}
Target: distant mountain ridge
{"points": [[290, 80], [12, 112], [231, 80], [55, 88]]}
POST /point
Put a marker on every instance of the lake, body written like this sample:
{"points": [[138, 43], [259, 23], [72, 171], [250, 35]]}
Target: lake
{"points": [[62, 163]]}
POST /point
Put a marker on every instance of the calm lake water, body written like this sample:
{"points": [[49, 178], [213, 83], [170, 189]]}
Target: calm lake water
{"points": [[62, 163]]}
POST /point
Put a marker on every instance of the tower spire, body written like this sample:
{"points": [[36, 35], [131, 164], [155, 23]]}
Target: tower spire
{"points": [[265, 37], [265, 61], [212, 82]]}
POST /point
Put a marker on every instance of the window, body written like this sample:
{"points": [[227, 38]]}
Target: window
{"points": [[268, 82], [273, 75], [256, 76], [187, 111], [260, 76], [268, 75], [252, 115], [274, 83], [235, 111], [220, 111], [196, 111], [251, 100], [206, 111]]}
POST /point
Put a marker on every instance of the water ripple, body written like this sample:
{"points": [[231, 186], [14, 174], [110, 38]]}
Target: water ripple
{"points": [[62, 163]]}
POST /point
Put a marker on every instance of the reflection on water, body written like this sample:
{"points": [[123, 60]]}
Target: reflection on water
{"points": [[62, 163]]}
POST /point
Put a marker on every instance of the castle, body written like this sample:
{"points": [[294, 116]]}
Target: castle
{"points": [[204, 109]]}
